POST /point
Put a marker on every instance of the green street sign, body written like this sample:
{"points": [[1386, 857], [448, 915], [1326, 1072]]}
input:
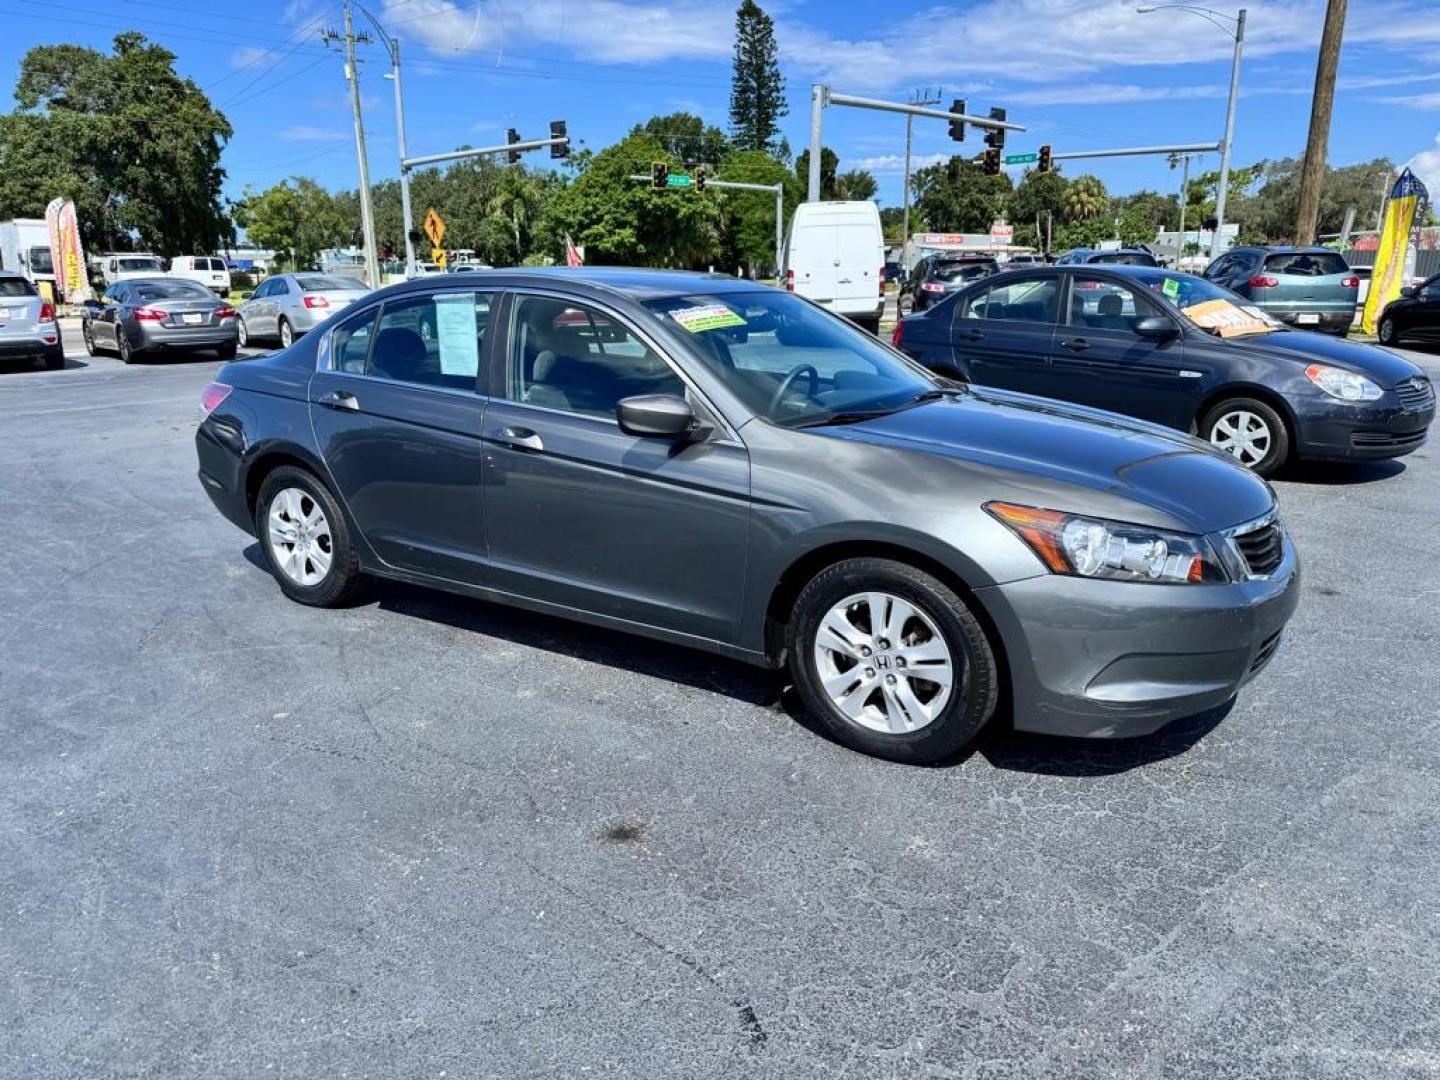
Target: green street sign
{"points": [[678, 180], [1021, 159]]}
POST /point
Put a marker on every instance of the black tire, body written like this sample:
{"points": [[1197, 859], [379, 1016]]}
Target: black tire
{"points": [[343, 578], [242, 334], [1278, 451], [286, 332], [122, 345], [1385, 332], [974, 691], [905, 306], [227, 351], [88, 336]]}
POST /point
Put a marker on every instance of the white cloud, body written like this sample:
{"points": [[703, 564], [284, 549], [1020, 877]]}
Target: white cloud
{"points": [[1426, 165], [1112, 94], [884, 164], [1415, 101], [310, 133], [248, 56]]}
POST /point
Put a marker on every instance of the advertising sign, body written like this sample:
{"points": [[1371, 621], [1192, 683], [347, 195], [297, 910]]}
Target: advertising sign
{"points": [[71, 280], [1406, 203]]}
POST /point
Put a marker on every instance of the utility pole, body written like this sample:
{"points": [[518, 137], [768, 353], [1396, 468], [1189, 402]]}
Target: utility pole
{"points": [[1312, 173], [352, 76], [923, 99], [1184, 161]]}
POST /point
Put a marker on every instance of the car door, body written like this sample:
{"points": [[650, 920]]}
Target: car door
{"points": [[1422, 319], [1099, 360], [582, 515], [1002, 332], [102, 326], [253, 310], [398, 421]]}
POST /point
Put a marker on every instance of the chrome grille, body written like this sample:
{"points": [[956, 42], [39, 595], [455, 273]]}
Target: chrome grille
{"points": [[1416, 393], [1263, 549]]}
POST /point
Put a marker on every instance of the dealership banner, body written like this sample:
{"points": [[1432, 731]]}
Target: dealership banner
{"points": [[1405, 207], [71, 280]]}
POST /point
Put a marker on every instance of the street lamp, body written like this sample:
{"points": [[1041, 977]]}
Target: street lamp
{"points": [[392, 45], [1235, 27]]}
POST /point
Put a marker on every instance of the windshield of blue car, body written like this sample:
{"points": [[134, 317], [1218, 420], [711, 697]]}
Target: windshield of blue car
{"points": [[789, 361], [1207, 305], [171, 290]]}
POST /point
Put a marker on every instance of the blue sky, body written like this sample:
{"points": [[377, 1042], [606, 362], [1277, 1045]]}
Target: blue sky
{"points": [[1082, 74]]}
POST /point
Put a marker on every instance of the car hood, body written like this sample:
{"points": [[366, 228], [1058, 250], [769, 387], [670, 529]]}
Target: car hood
{"points": [[1379, 364], [1159, 468]]}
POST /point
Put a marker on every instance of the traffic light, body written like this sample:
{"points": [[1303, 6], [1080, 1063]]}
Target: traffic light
{"points": [[659, 175], [702, 174], [1042, 164], [414, 235], [957, 127], [992, 161], [511, 137], [557, 131], [996, 136]]}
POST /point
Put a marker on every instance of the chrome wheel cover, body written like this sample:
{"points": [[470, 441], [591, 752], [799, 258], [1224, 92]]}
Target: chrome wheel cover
{"points": [[884, 663], [242, 335], [299, 535], [287, 335], [1243, 435]]}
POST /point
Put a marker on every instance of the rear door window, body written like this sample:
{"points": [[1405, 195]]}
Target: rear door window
{"points": [[1032, 300], [1306, 264], [432, 340]]}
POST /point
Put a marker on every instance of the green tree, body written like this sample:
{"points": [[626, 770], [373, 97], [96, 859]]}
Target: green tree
{"points": [[957, 196], [855, 184], [135, 145], [829, 167], [1143, 214], [1269, 214], [1036, 206], [297, 219], [619, 221], [1086, 198], [757, 89], [748, 217], [687, 137]]}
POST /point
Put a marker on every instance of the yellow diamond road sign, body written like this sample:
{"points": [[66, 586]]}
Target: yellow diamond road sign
{"points": [[434, 226]]}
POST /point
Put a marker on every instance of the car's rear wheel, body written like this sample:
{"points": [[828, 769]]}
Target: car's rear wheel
{"points": [[891, 661], [226, 351], [242, 335], [55, 359], [305, 537], [1386, 332], [287, 334], [122, 343], [1250, 431], [905, 306], [89, 337]]}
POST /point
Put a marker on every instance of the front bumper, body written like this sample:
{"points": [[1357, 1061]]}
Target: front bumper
{"points": [[1111, 659], [1333, 430]]}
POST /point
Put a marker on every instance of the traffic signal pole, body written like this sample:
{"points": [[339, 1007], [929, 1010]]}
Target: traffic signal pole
{"points": [[821, 96]]}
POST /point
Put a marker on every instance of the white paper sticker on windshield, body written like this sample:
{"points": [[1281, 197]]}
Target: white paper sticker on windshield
{"points": [[706, 317], [1226, 319], [457, 334]]}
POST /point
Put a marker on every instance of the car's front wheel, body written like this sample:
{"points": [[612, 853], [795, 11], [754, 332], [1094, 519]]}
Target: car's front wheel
{"points": [[242, 335], [1386, 332], [123, 346], [891, 661], [305, 537], [287, 334], [1250, 431]]}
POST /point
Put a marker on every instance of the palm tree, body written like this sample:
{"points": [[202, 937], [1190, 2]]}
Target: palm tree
{"points": [[1086, 198], [516, 202]]}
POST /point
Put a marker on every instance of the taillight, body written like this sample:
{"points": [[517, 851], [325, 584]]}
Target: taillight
{"points": [[1263, 281], [932, 286], [789, 280], [225, 312], [213, 395], [150, 314], [897, 333], [316, 302], [1351, 283], [882, 279], [47, 312]]}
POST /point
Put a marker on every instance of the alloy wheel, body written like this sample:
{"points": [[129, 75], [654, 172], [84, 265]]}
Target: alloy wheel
{"points": [[884, 663], [89, 337], [242, 335], [1243, 435], [1385, 332], [287, 335], [122, 342], [300, 536]]}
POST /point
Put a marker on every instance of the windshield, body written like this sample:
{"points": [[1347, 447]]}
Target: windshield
{"points": [[787, 360], [172, 290], [330, 283], [1124, 258], [40, 261], [962, 271], [140, 266], [1210, 307]]}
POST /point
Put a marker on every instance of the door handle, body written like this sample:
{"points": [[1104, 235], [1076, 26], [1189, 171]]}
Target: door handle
{"points": [[521, 438], [974, 335], [1078, 344], [340, 399]]}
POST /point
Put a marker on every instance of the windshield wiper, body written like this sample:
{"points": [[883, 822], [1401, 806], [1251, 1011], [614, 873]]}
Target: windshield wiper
{"points": [[855, 416]]}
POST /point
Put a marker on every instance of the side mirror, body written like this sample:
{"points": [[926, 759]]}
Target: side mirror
{"points": [[1407, 291], [664, 415], [1156, 328]]}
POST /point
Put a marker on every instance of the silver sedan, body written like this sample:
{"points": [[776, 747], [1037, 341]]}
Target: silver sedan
{"points": [[287, 305]]}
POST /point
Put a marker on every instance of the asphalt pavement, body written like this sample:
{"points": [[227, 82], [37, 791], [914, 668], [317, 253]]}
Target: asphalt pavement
{"points": [[429, 837]]}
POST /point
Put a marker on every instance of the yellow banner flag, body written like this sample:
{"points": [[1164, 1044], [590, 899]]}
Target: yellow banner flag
{"points": [[1388, 277]]}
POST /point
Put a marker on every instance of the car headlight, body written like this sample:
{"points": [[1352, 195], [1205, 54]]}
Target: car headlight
{"points": [[1094, 548], [1342, 384]]}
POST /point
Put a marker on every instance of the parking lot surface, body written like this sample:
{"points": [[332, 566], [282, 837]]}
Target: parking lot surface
{"points": [[429, 837]]}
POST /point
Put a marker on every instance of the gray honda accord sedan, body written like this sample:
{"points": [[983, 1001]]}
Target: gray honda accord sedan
{"points": [[706, 461]]}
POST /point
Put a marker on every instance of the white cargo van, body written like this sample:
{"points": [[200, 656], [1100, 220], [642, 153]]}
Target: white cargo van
{"points": [[207, 270], [835, 255]]}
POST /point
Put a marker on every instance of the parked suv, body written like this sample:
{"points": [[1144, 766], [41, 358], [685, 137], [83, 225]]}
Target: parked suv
{"points": [[936, 276], [1115, 257], [1309, 287], [27, 323]]}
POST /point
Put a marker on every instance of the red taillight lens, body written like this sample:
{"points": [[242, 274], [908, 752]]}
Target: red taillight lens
{"points": [[789, 280], [213, 395], [1351, 283], [150, 314], [225, 313], [316, 302], [47, 312], [1263, 281], [932, 286], [882, 279], [898, 333]]}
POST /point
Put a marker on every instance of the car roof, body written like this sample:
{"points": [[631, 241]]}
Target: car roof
{"points": [[636, 282], [1289, 249], [11, 275]]}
